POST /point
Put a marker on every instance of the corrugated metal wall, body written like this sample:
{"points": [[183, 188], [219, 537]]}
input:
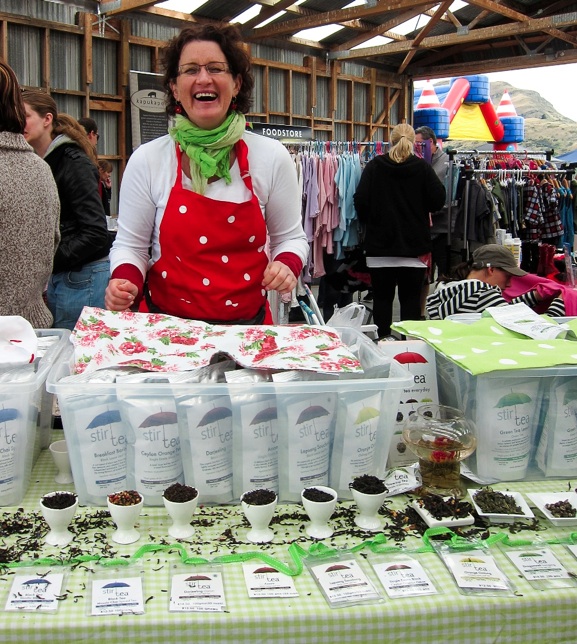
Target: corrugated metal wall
{"points": [[24, 54], [25, 51]]}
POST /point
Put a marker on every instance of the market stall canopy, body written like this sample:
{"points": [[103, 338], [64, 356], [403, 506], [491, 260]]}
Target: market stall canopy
{"points": [[415, 37]]}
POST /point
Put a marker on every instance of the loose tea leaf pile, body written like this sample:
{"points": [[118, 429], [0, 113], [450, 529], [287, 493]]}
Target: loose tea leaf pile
{"points": [[316, 495], [126, 497], [442, 508], [561, 509], [59, 500], [179, 493], [259, 497], [368, 484], [492, 502]]}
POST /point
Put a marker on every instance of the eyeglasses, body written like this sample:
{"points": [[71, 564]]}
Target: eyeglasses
{"points": [[213, 69], [98, 137]]}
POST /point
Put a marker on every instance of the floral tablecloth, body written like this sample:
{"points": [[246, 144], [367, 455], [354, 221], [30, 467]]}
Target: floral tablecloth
{"points": [[157, 342]]}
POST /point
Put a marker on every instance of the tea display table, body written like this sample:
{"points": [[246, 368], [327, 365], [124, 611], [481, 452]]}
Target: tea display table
{"points": [[530, 616]]}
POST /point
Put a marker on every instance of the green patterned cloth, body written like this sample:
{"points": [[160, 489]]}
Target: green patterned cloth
{"points": [[530, 616], [484, 346]]}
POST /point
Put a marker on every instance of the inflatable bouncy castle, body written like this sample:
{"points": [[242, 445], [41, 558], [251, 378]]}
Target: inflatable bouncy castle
{"points": [[462, 110]]}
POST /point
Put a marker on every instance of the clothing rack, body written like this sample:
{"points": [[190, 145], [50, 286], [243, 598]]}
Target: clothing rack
{"points": [[471, 172]]}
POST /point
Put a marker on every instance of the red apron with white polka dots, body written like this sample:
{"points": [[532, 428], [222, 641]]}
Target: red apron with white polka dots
{"points": [[212, 256]]}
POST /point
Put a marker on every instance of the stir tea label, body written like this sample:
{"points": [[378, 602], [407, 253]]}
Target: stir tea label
{"points": [[263, 581], [404, 578], [197, 592], [343, 582], [537, 564], [117, 596], [35, 592], [477, 571]]}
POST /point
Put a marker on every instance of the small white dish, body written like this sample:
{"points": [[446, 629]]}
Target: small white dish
{"points": [[546, 498], [448, 522], [526, 512]]}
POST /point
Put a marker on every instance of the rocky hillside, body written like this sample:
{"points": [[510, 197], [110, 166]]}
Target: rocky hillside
{"points": [[545, 128]]}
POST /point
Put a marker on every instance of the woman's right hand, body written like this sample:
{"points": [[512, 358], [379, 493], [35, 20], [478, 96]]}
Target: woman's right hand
{"points": [[120, 295]]}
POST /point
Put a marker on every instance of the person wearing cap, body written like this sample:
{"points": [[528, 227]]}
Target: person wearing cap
{"points": [[478, 284]]}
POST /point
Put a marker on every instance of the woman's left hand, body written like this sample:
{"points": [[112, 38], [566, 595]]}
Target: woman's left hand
{"points": [[278, 277]]}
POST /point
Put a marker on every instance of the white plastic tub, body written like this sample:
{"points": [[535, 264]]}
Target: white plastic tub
{"points": [[26, 417], [230, 436]]}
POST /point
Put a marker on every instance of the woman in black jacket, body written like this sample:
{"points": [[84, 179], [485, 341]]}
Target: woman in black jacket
{"points": [[394, 199], [81, 266]]}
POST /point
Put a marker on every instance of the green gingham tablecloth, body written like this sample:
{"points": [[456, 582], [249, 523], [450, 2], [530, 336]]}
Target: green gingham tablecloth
{"points": [[530, 616]]}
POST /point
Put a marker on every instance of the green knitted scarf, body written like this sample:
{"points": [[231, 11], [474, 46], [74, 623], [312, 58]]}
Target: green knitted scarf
{"points": [[208, 150]]}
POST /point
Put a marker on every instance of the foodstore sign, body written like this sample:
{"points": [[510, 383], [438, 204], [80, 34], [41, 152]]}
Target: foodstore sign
{"points": [[282, 132]]}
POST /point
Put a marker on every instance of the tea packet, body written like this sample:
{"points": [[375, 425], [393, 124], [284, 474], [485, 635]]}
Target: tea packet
{"points": [[508, 419], [36, 588], [522, 319], [116, 591], [306, 427], [474, 569], [153, 455], [342, 580], [97, 441], [401, 480], [17, 437], [196, 589], [539, 566], [255, 433], [205, 430], [402, 575], [557, 449], [361, 439]]}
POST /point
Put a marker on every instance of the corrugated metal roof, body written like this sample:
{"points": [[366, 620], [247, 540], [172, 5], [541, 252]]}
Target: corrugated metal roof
{"points": [[476, 36]]}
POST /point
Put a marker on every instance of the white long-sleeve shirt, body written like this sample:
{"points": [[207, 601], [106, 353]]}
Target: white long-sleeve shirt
{"points": [[149, 178]]}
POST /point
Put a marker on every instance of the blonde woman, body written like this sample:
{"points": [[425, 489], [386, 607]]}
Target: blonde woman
{"points": [[394, 199], [81, 266]]}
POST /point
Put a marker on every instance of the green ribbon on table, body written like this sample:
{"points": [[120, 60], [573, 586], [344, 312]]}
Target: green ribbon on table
{"points": [[377, 544]]}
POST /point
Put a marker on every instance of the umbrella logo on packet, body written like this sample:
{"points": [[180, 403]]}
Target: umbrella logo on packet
{"points": [[108, 417], [39, 583], [116, 584], [513, 399], [410, 357], [267, 417], [312, 412], [336, 567], [366, 414], [161, 419], [212, 418], [8, 414], [309, 415], [215, 415]]}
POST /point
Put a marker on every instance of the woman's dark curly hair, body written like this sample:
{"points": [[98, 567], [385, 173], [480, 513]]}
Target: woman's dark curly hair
{"points": [[229, 38]]}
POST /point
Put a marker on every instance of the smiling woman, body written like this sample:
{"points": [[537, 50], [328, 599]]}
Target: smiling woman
{"points": [[227, 189]]}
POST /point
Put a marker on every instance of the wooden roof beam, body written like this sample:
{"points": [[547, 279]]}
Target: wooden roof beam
{"points": [[495, 7], [503, 64], [335, 17], [126, 6], [487, 33], [424, 31], [382, 30], [267, 12]]}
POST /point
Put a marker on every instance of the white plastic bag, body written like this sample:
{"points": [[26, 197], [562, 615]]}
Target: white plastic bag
{"points": [[352, 315]]}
